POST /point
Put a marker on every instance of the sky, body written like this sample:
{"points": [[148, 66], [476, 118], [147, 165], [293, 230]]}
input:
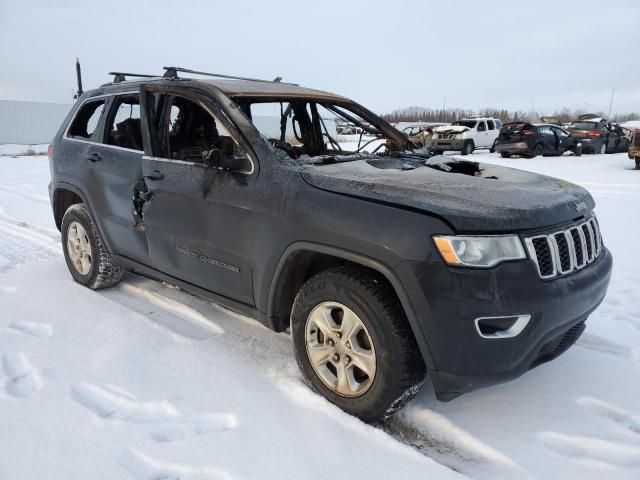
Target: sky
{"points": [[517, 55]]}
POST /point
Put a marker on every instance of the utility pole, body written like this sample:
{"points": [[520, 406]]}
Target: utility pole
{"points": [[611, 102], [444, 102]]}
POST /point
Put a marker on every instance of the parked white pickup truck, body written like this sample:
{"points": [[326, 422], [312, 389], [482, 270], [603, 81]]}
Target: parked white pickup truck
{"points": [[466, 135]]}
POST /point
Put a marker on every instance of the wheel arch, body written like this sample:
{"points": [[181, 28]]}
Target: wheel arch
{"points": [[302, 260], [65, 195]]}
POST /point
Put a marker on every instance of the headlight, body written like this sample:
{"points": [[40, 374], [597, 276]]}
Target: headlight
{"points": [[479, 251]]}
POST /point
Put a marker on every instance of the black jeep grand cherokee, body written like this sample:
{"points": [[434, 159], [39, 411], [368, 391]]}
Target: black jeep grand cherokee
{"points": [[385, 263]]}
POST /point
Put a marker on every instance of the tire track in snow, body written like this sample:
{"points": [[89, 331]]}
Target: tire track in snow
{"points": [[168, 313], [22, 243], [440, 439]]}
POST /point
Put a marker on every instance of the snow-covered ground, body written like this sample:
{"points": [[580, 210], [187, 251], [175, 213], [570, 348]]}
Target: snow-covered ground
{"points": [[145, 381]]}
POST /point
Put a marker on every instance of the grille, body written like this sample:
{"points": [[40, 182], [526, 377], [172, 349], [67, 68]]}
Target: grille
{"points": [[566, 251]]}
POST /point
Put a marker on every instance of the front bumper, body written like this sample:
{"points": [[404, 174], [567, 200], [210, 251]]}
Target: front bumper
{"points": [[448, 300], [447, 144]]}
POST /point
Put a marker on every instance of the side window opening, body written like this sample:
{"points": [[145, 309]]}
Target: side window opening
{"points": [[86, 120], [192, 131], [491, 125], [482, 127], [125, 129]]}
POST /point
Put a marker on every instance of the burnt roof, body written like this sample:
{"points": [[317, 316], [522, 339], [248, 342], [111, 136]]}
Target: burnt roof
{"points": [[242, 88]]}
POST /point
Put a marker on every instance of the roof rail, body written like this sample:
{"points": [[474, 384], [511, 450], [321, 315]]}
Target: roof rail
{"points": [[121, 76], [172, 72]]}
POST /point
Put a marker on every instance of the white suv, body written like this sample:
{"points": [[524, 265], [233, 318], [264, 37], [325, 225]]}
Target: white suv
{"points": [[466, 135]]}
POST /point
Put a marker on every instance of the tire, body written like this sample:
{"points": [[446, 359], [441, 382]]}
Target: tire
{"points": [[638, 163], [493, 147], [384, 335], [538, 150], [577, 151], [603, 148], [88, 261], [468, 147], [505, 155]]}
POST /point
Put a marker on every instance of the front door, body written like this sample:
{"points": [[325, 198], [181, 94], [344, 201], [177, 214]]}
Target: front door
{"points": [[194, 219]]}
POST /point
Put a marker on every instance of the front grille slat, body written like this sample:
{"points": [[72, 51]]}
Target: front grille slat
{"points": [[565, 251]]}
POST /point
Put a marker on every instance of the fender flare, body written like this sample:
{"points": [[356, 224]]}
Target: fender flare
{"points": [[384, 270], [62, 185]]}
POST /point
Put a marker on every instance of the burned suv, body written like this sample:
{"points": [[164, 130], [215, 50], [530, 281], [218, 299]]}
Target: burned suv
{"points": [[384, 263]]}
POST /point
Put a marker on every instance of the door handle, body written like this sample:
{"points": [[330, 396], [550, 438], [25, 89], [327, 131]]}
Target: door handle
{"points": [[94, 157], [155, 175]]}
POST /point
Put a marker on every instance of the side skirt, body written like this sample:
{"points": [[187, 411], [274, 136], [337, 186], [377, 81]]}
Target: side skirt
{"points": [[238, 307]]}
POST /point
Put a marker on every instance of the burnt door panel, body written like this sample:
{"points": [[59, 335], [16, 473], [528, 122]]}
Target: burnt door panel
{"points": [[115, 169], [196, 227]]}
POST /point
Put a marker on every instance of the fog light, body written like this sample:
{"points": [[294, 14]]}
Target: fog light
{"points": [[502, 327]]}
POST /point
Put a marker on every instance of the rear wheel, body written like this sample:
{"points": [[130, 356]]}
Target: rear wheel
{"points": [[353, 344], [505, 155], [538, 150], [637, 163], [468, 147], [88, 261]]}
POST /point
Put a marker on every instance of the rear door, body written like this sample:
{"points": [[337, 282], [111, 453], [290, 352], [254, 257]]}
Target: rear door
{"points": [[113, 165], [195, 219]]}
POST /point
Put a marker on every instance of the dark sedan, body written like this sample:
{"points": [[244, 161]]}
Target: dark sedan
{"points": [[599, 136], [530, 140]]}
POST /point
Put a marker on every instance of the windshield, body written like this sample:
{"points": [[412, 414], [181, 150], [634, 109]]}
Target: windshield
{"points": [[465, 123], [584, 125], [309, 127]]}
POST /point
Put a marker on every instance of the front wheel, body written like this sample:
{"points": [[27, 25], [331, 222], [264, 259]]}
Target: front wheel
{"points": [[468, 147], [603, 148], [505, 155], [353, 344], [638, 163], [88, 261]]}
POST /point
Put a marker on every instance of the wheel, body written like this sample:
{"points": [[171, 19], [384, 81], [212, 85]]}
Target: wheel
{"points": [[468, 147], [538, 150], [353, 343], [493, 147], [505, 155], [577, 151], [637, 163], [87, 259], [603, 148]]}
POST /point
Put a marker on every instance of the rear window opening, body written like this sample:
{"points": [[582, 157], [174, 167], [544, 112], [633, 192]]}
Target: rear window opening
{"points": [[584, 125], [86, 120]]}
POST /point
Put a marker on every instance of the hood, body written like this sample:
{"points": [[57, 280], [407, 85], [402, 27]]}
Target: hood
{"points": [[451, 129], [470, 196]]}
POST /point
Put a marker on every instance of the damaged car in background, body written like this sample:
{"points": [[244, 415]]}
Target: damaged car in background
{"points": [[466, 135], [384, 264], [532, 140]]}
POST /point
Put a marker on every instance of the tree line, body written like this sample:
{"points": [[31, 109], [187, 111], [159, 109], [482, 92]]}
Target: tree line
{"points": [[423, 114]]}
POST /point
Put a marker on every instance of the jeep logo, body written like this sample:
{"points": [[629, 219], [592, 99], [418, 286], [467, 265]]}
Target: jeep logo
{"points": [[580, 206]]}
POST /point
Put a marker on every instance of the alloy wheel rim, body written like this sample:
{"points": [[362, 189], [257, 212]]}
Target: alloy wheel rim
{"points": [[79, 248], [340, 349]]}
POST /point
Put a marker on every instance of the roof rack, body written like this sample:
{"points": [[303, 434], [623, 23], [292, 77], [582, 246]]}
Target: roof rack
{"points": [[172, 72], [121, 76]]}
